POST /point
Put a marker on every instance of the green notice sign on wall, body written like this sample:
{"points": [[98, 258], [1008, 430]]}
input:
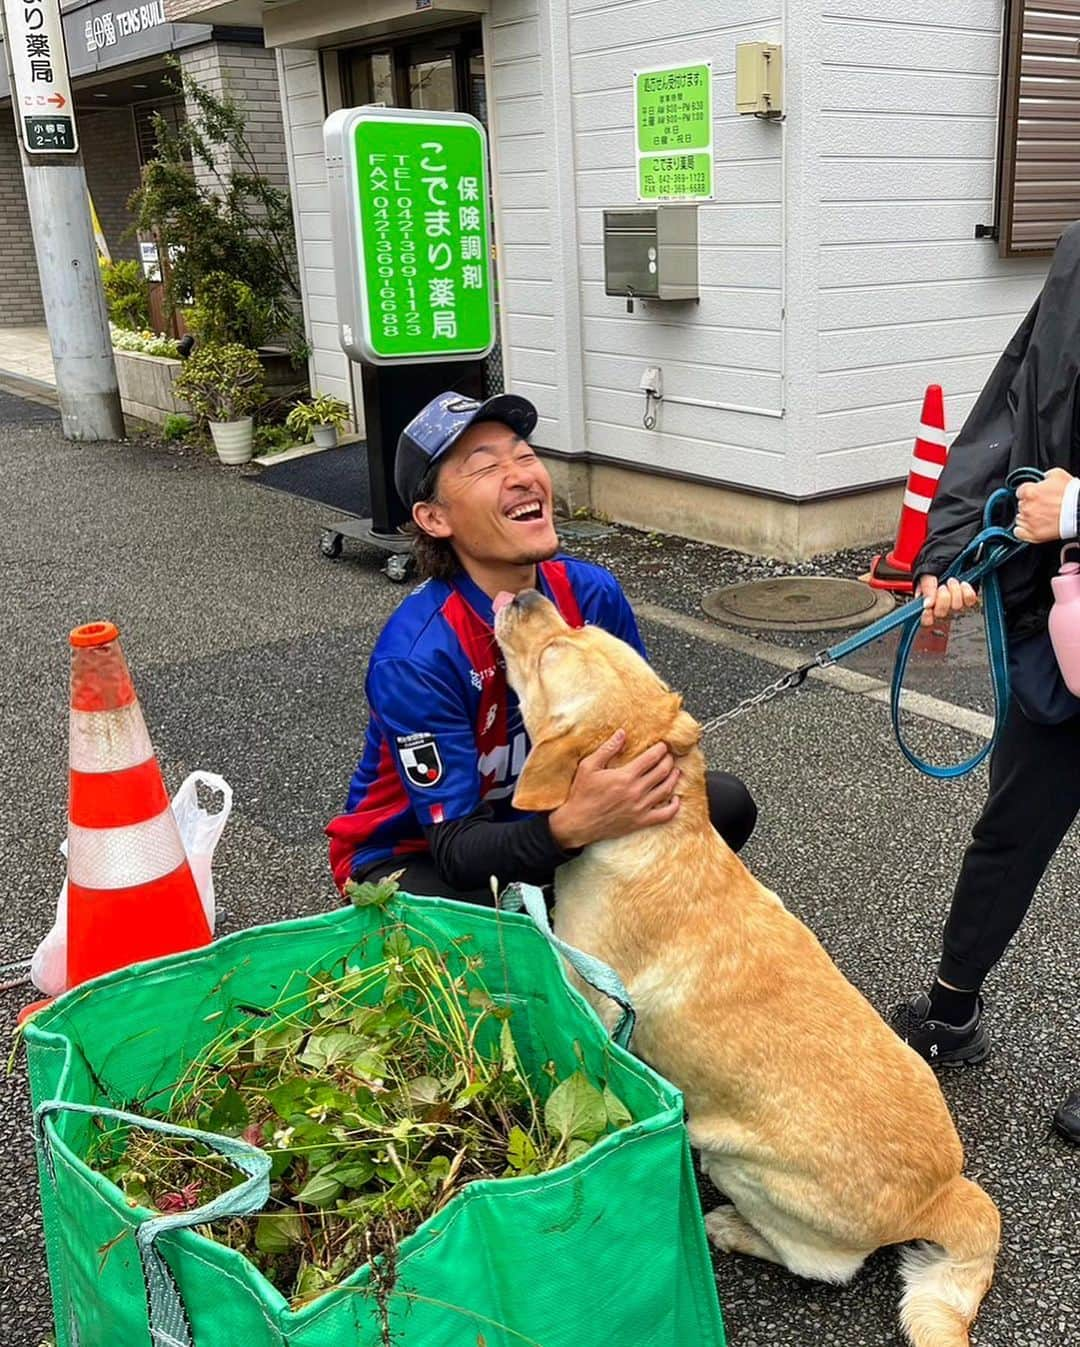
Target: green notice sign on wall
{"points": [[412, 234], [673, 133]]}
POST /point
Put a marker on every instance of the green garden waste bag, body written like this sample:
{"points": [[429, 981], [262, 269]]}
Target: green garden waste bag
{"points": [[606, 1251]]}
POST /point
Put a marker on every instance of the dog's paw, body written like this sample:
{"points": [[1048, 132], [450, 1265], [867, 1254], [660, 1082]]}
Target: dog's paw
{"points": [[729, 1233], [725, 1228]]}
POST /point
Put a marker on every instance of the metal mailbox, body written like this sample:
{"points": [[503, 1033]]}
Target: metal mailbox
{"points": [[651, 252]]}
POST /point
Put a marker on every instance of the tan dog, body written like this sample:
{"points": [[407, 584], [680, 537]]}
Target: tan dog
{"points": [[828, 1133]]}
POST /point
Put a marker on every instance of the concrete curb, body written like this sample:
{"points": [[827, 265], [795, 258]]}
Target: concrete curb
{"points": [[845, 680], [34, 390]]}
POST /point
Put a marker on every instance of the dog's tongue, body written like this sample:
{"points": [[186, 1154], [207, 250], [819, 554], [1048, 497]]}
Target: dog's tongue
{"points": [[500, 601]]}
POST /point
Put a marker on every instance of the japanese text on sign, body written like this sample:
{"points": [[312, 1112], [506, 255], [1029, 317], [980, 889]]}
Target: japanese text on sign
{"points": [[673, 133], [42, 93], [425, 238], [102, 30]]}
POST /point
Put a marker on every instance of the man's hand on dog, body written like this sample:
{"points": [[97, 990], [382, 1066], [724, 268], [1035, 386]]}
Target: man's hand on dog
{"points": [[607, 801], [941, 601]]}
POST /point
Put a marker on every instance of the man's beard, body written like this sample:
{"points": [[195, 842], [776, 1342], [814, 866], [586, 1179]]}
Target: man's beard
{"points": [[537, 554]]}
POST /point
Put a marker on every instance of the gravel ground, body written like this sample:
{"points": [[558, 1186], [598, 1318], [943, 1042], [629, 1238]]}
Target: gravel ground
{"points": [[247, 649], [678, 574]]}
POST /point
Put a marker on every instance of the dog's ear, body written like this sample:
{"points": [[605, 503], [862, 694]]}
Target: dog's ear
{"points": [[685, 732], [549, 769]]}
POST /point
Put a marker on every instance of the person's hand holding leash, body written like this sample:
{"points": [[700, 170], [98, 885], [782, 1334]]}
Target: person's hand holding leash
{"points": [[1038, 514], [606, 802], [941, 601]]}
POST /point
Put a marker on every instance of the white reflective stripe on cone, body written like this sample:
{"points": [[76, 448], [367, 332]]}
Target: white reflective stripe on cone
{"points": [[108, 741], [914, 502], [925, 468], [120, 858], [933, 435]]}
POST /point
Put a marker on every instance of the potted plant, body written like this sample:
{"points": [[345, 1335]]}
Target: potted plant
{"points": [[224, 385], [322, 419]]}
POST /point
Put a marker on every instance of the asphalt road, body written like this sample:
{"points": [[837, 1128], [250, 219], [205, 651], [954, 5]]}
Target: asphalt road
{"points": [[248, 648]]}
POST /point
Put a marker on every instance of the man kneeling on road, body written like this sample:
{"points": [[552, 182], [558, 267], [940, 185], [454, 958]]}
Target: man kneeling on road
{"points": [[431, 795]]}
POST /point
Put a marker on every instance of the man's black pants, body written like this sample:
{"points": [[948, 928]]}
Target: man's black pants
{"points": [[1034, 797], [731, 808]]}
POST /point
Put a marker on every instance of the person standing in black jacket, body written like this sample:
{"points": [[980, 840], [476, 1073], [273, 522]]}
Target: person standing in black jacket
{"points": [[1028, 415]]}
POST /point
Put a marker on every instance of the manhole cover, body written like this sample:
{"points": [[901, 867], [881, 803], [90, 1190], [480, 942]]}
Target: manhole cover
{"points": [[798, 603], [583, 530]]}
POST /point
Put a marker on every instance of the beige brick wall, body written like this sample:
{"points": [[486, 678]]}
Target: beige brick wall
{"points": [[249, 74], [19, 282], [111, 158]]}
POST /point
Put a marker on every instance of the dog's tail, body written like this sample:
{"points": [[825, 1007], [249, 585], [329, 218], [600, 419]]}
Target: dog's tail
{"points": [[947, 1274]]}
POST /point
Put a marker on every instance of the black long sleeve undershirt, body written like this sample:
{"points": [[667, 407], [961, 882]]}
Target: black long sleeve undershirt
{"points": [[468, 851]]}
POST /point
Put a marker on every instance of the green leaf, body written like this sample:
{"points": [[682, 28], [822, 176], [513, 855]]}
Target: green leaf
{"points": [[470, 1093], [438, 1169], [575, 1109], [352, 1173], [520, 1152], [396, 945], [333, 1048], [371, 1063], [321, 1189], [229, 1111], [289, 1096], [577, 1147], [410, 1196], [311, 1281], [280, 1162], [371, 895], [618, 1115], [275, 1234], [421, 1090], [507, 1049]]}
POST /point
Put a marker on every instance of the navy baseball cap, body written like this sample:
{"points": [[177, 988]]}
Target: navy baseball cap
{"points": [[441, 424]]}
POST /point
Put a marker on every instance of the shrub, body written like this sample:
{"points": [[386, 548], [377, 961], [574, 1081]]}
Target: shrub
{"points": [[176, 426], [226, 217], [222, 383], [227, 310], [272, 439], [127, 294], [322, 410]]}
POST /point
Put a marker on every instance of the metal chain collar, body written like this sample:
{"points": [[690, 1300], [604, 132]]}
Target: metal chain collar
{"points": [[786, 683]]}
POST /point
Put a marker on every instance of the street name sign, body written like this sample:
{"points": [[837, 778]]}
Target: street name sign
{"points": [[42, 94], [411, 231], [673, 133]]}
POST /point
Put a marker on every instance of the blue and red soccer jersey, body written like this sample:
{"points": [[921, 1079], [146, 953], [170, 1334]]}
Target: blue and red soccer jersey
{"points": [[445, 734]]}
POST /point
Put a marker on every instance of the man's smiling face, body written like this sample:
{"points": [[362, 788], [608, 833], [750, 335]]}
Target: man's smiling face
{"points": [[493, 500]]}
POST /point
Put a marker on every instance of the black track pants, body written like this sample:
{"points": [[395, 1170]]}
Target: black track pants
{"points": [[1034, 797], [731, 808]]}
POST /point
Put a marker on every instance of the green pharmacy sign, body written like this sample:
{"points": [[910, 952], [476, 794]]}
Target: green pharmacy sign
{"points": [[673, 133], [411, 235]]}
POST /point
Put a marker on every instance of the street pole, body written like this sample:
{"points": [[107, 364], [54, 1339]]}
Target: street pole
{"points": [[63, 234]]}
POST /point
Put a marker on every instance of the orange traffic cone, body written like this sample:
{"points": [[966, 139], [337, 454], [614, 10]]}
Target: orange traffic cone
{"points": [[927, 460], [131, 893]]}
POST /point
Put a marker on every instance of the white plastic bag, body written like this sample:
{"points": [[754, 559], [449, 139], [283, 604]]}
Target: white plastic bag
{"points": [[199, 832]]}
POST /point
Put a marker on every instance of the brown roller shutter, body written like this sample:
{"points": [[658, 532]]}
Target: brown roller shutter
{"points": [[1039, 179]]}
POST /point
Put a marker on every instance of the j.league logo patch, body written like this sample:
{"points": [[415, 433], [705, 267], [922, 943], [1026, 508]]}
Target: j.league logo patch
{"points": [[419, 756]]}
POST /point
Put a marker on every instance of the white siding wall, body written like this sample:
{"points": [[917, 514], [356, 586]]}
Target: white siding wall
{"points": [[728, 347], [906, 141], [304, 109], [563, 115], [523, 147]]}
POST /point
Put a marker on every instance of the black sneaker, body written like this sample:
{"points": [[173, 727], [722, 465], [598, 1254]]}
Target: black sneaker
{"points": [[938, 1043], [1067, 1117]]}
